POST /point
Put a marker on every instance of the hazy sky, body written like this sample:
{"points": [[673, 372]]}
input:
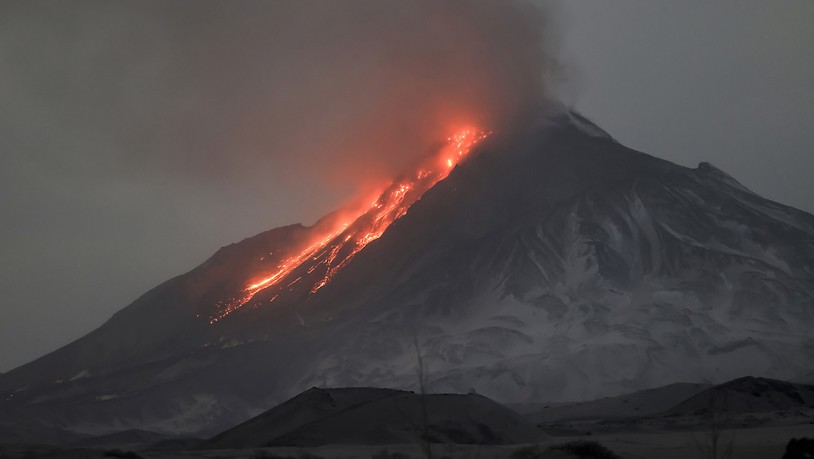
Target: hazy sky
{"points": [[137, 138]]}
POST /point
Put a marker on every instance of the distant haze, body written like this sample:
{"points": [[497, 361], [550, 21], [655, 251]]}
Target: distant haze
{"points": [[137, 138]]}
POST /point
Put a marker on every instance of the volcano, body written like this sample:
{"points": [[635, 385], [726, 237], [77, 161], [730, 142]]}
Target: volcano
{"points": [[545, 262]]}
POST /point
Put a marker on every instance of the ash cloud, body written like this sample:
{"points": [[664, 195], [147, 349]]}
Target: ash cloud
{"points": [[206, 89], [340, 92], [140, 136]]}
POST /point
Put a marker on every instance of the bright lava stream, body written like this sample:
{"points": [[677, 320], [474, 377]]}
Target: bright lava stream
{"points": [[333, 250]]}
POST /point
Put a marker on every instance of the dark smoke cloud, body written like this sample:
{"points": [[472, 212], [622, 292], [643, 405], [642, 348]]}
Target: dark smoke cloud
{"points": [[345, 91], [140, 136], [208, 88]]}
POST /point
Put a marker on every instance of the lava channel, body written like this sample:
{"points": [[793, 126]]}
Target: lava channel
{"points": [[332, 250]]}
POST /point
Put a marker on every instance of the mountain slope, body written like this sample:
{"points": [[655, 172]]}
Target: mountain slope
{"points": [[553, 264]]}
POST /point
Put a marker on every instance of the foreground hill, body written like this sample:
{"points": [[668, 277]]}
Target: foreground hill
{"points": [[746, 402], [641, 403], [367, 416], [747, 395]]}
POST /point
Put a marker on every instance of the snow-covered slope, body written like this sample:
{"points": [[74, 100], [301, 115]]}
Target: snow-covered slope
{"points": [[553, 264], [571, 267]]}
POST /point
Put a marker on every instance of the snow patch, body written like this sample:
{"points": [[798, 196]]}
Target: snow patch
{"points": [[231, 343], [82, 374]]}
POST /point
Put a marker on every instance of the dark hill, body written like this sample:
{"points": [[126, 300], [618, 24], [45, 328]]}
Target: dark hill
{"points": [[367, 416], [747, 395], [641, 403]]}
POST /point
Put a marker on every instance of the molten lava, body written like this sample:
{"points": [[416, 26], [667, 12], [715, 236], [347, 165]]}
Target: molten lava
{"points": [[323, 257]]}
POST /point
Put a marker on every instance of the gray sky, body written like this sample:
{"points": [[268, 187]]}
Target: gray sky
{"points": [[137, 138]]}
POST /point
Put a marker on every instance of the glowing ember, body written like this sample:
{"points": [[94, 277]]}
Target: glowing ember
{"points": [[319, 262]]}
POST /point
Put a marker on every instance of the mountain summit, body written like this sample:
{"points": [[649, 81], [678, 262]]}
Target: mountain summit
{"points": [[553, 263]]}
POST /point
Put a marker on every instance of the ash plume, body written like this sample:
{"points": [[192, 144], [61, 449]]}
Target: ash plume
{"points": [[336, 93], [346, 92], [350, 87], [233, 116]]}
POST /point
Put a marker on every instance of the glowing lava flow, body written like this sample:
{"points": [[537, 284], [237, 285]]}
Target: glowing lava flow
{"points": [[318, 262]]}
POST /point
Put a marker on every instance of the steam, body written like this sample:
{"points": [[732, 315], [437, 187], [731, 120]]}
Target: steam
{"points": [[350, 92], [154, 132], [271, 94]]}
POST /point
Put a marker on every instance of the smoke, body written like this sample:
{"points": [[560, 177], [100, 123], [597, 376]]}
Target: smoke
{"points": [[332, 93], [140, 136], [337, 93], [342, 93]]}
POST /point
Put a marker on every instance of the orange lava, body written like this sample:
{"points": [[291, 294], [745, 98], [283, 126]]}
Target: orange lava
{"points": [[319, 262]]}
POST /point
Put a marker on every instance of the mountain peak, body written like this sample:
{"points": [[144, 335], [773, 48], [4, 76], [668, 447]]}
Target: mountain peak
{"points": [[709, 170]]}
